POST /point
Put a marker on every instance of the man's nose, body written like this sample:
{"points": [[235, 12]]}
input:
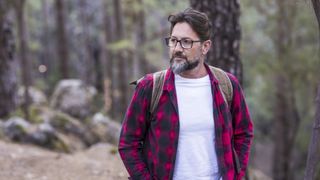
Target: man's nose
{"points": [[178, 47]]}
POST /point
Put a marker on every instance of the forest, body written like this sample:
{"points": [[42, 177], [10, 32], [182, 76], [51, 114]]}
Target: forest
{"points": [[66, 68]]}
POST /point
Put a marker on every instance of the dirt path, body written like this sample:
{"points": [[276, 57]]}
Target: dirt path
{"points": [[100, 162], [25, 162]]}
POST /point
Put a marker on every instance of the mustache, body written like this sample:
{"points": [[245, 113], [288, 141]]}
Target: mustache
{"points": [[178, 55]]}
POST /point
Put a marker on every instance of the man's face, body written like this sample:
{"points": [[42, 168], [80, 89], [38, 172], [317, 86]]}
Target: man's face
{"points": [[182, 59]]}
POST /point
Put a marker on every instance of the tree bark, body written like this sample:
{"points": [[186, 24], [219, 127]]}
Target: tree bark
{"points": [[316, 7], [287, 119], [121, 94], [8, 64], [46, 55], [98, 65], [314, 146], [226, 34], [23, 47], [87, 51], [109, 83], [62, 41], [141, 39]]}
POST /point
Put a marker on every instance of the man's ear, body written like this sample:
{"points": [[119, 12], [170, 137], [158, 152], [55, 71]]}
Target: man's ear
{"points": [[206, 47]]}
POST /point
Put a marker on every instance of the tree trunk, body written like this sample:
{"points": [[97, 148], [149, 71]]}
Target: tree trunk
{"points": [[8, 65], [109, 84], [122, 80], [98, 65], [314, 146], [140, 65], [87, 51], [141, 40], [226, 33], [286, 125], [46, 55], [316, 7], [23, 47], [287, 120], [62, 41]]}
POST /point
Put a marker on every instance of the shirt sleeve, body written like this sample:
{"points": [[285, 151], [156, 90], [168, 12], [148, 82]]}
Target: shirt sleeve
{"points": [[133, 131], [242, 124]]}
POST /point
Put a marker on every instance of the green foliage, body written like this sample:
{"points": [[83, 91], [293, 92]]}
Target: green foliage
{"points": [[34, 5], [59, 145], [123, 44], [18, 112], [261, 62], [113, 151], [299, 63], [61, 120], [35, 114]]}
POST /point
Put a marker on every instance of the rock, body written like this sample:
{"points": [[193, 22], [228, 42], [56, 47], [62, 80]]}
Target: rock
{"points": [[57, 130], [16, 129], [106, 129], [73, 97], [71, 125], [46, 136], [20, 130], [43, 134], [37, 97]]}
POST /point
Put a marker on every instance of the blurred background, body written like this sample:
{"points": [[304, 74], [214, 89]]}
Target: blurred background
{"points": [[66, 65]]}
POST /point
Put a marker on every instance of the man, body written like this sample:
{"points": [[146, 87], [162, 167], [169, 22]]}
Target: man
{"points": [[192, 133]]}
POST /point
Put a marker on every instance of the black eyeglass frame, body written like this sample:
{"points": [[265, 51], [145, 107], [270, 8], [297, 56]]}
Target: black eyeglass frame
{"points": [[167, 39]]}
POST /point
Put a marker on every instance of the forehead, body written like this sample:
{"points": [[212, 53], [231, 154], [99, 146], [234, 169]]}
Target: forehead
{"points": [[184, 30]]}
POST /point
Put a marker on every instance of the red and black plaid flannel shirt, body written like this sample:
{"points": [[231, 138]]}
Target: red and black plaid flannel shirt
{"points": [[148, 143]]}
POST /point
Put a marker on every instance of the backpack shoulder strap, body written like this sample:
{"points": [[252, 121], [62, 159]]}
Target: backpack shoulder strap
{"points": [[158, 82], [224, 84]]}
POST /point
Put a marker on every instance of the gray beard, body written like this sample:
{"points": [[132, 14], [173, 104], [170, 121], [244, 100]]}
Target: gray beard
{"points": [[178, 68]]}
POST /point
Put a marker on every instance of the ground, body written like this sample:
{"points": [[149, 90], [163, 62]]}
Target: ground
{"points": [[27, 162], [100, 162]]}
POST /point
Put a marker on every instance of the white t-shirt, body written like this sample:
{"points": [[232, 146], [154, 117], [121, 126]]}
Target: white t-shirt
{"points": [[196, 156]]}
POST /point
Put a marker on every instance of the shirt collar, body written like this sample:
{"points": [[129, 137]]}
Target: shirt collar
{"points": [[169, 78]]}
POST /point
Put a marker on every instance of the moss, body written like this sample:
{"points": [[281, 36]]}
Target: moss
{"points": [[60, 119], [35, 114], [87, 120], [22, 129], [113, 151], [18, 112], [60, 146]]}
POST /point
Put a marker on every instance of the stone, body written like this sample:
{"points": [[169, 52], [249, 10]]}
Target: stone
{"points": [[73, 97], [16, 129], [106, 129], [71, 125], [43, 135], [37, 97]]}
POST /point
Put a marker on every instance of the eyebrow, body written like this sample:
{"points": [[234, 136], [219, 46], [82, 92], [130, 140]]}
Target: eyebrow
{"points": [[182, 37]]}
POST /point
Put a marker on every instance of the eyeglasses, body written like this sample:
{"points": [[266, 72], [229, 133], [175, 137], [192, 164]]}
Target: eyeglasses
{"points": [[185, 43]]}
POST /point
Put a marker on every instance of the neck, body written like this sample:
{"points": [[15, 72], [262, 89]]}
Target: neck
{"points": [[197, 72]]}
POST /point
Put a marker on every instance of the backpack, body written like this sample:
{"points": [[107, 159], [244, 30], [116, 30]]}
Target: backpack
{"points": [[225, 86]]}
